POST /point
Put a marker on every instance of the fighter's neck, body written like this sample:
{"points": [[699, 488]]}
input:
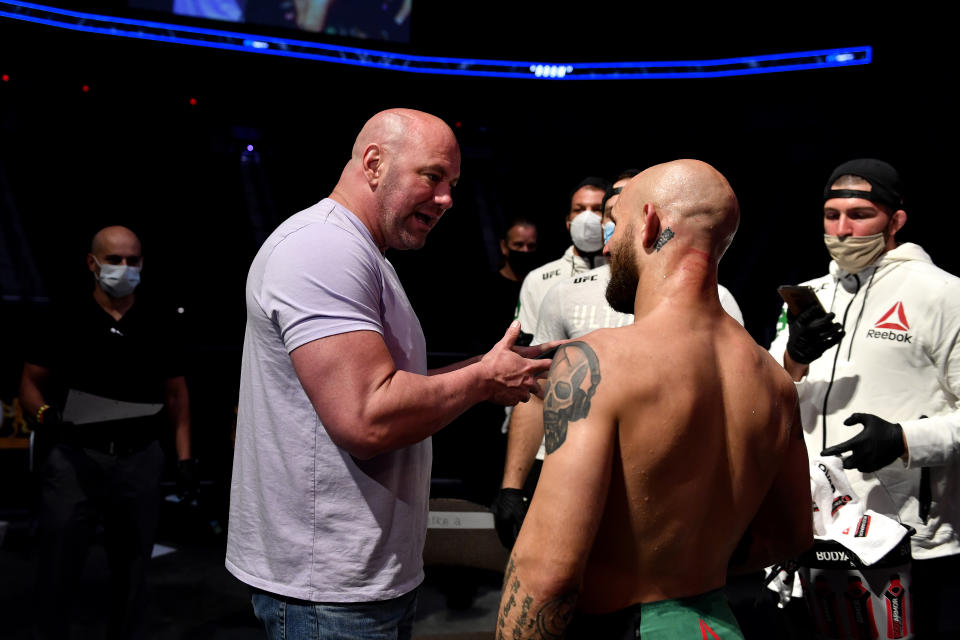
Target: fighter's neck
{"points": [[685, 281]]}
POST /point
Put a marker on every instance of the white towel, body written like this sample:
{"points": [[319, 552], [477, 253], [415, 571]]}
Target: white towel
{"points": [[839, 515]]}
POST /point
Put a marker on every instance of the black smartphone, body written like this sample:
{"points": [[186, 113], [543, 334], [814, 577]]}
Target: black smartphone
{"points": [[799, 298]]}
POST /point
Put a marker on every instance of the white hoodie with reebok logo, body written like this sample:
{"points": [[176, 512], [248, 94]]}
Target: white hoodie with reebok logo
{"points": [[900, 360]]}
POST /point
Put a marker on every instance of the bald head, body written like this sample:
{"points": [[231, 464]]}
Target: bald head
{"points": [[691, 198], [673, 218], [112, 239], [397, 129]]}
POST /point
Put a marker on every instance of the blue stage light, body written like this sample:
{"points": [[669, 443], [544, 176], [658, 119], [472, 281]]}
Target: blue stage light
{"points": [[286, 47]]}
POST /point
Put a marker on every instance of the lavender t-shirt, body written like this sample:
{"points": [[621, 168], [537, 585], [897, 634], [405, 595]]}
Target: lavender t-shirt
{"points": [[307, 520]]}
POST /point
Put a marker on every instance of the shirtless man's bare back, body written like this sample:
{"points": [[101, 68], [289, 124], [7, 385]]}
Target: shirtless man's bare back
{"points": [[668, 441]]}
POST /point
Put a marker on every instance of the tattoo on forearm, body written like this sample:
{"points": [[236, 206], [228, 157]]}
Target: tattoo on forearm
{"points": [[574, 377], [522, 620], [548, 623], [555, 615], [664, 238], [509, 599]]}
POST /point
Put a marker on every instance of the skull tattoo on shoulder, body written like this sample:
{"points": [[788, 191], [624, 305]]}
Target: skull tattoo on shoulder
{"points": [[573, 380]]}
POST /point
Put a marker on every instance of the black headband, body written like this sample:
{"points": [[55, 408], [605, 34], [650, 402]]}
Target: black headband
{"points": [[856, 193]]}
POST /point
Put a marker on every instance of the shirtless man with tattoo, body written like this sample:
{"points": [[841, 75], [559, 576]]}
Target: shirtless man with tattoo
{"points": [[669, 441]]}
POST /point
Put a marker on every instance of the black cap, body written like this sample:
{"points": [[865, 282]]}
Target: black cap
{"points": [[886, 188]]}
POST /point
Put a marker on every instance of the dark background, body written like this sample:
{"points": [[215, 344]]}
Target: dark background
{"points": [[132, 150]]}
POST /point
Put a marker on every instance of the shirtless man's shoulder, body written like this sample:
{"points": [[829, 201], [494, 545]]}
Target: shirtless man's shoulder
{"points": [[594, 366], [574, 380], [652, 350]]}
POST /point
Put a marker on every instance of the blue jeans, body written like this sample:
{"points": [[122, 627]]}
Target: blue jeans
{"points": [[291, 619]]}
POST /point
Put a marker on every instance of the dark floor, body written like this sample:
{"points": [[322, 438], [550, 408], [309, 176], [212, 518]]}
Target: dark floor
{"points": [[193, 596]]}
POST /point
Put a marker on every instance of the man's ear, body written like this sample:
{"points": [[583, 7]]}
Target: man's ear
{"points": [[372, 163], [897, 220], [649, 225], [91, 263], [503, 249]]}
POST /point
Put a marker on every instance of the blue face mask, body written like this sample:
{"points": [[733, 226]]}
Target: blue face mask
{"points": [[608, 228], [117, 280]]}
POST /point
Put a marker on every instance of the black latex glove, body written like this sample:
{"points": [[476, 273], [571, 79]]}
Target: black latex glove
{"points": [[509, 509], [811, 333], [188, 485], [879, 444]]}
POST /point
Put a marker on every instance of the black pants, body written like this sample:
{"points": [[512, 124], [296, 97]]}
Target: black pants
{"points": [[79, 487]]}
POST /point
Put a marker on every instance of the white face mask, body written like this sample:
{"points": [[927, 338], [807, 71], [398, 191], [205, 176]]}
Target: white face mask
{"points": [[854, 254], [586, 232], [117, 280]]}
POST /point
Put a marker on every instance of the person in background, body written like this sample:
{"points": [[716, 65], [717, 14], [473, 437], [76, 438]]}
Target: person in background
{"points": [[493, 306], [519, 250], [583, 223], [882, 355], [485, 310], [94, 381]]}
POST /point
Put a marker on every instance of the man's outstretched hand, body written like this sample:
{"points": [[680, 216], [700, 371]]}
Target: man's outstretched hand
{"points": [[879, 444], [511, 376]]}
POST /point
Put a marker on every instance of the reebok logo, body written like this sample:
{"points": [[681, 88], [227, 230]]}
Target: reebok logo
{"points": [[899, 323], [896, 321]]}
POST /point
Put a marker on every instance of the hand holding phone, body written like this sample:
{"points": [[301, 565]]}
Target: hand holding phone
{"points": [[812, 329], [799, 298]]}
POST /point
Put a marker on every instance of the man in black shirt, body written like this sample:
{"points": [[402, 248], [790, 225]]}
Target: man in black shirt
{"points": [[94, 382], [487, 308], [498, 303]]}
